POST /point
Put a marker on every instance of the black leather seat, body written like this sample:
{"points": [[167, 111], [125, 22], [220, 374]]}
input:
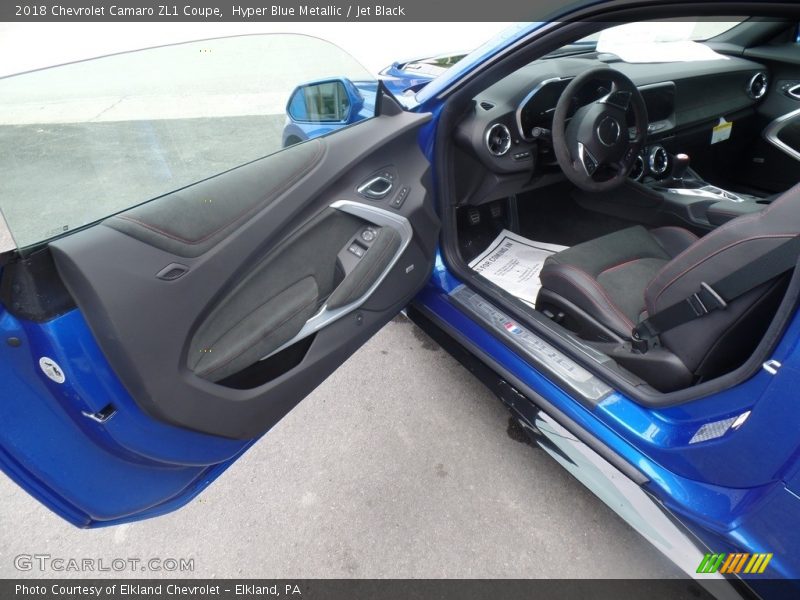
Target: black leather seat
{"points": [[610, 284], [606, 277]]}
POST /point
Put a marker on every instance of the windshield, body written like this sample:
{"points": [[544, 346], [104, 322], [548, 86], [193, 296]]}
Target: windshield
{"points": [[663, 31], [655, 41], [433, 66]]}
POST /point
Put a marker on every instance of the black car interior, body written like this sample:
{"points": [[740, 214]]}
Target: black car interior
{"points": [[662, 180]]}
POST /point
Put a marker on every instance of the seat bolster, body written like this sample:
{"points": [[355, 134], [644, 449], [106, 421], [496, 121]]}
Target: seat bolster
{"points": [[673, 240], [581, 288], [612, 250]]}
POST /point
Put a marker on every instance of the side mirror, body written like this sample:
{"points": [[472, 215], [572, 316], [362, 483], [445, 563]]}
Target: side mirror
{"points": [[328, 101]]}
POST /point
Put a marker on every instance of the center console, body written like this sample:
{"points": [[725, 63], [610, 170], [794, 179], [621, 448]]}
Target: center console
{"points": [[686, 195]]}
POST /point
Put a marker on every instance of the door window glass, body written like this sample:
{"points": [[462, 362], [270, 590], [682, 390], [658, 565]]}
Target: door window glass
{"points": [[86, 140]]}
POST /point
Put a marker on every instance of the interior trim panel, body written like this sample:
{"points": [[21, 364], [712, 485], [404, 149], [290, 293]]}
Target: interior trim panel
{"points": [[773, 130], [376, 216]]}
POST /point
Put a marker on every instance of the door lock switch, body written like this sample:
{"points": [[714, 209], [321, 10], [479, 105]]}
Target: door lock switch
{"points": [[398, 200]]}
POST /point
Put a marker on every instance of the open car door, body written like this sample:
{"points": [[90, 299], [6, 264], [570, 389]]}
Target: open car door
{"points": [[143, 353]]}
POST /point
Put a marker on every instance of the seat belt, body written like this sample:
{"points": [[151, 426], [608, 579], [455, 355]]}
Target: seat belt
{"points": [[717, 296]]}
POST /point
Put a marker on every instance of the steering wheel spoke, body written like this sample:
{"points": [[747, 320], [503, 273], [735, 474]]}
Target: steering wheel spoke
{"points": [[620, 99], [589, 163]]}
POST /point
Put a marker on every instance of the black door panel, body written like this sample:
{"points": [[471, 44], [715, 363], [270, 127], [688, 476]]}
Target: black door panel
{"points": [[266, 247]]}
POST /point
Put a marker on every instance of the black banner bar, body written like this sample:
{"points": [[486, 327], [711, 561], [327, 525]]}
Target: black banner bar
{"points": [[217, 11], [338, 589]]}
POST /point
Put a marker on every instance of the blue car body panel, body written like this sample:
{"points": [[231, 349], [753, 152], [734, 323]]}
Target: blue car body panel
{"points": [[739, 492], [471, 62], [131, 467]]}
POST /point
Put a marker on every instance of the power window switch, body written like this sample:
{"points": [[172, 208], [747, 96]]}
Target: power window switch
{"points": [[356, 249]]}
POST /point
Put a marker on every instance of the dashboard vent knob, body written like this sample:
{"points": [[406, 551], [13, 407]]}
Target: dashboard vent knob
{"points": [[757, 86], [498, 139]]}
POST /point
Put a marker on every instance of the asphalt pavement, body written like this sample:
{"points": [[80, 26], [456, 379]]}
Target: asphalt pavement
{"points": [[400, 465]]}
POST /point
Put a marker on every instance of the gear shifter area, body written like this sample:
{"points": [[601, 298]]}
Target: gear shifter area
{"points": [[687, 195], [680, 164], [682, 180]]}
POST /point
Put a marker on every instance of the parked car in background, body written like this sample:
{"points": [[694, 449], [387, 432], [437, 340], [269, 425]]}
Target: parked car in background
{"points": [[408, 77], [319, 107]]}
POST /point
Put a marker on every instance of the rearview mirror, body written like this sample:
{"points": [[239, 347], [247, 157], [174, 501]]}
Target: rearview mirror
{"points": [[329, 101]]}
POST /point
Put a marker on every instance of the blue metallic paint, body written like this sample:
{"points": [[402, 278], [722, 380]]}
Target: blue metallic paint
{"points": [[92, 474]]}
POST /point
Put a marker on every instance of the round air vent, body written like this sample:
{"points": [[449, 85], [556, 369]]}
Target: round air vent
{"points": [[637, 171], [498, 139], [757, 86], [658, 160]]}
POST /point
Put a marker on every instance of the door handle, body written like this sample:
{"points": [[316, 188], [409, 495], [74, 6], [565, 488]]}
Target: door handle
{"points": [[376, 187]]}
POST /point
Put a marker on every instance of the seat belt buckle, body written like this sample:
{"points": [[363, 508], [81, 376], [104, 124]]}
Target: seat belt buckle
{"points": [[641, 337], [706, 300]]}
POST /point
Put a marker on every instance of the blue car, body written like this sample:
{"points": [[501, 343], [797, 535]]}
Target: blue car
{"points": [[306, 118], [602, 226]]}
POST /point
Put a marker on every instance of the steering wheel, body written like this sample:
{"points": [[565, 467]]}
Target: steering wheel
{"points": [[596, 150]]}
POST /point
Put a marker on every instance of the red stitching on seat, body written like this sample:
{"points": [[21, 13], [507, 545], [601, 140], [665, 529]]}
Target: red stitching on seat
{"points": [[611, 304], [632, 260]]}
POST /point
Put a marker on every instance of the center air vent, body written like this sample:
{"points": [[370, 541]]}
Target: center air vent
{"points": [[638, 168], [487, 105], [658, 160], [498, 139], [757, 86]]}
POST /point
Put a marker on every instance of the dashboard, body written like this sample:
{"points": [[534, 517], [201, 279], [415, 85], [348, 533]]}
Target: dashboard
{"points": [[537, 108], [507, 126]]}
